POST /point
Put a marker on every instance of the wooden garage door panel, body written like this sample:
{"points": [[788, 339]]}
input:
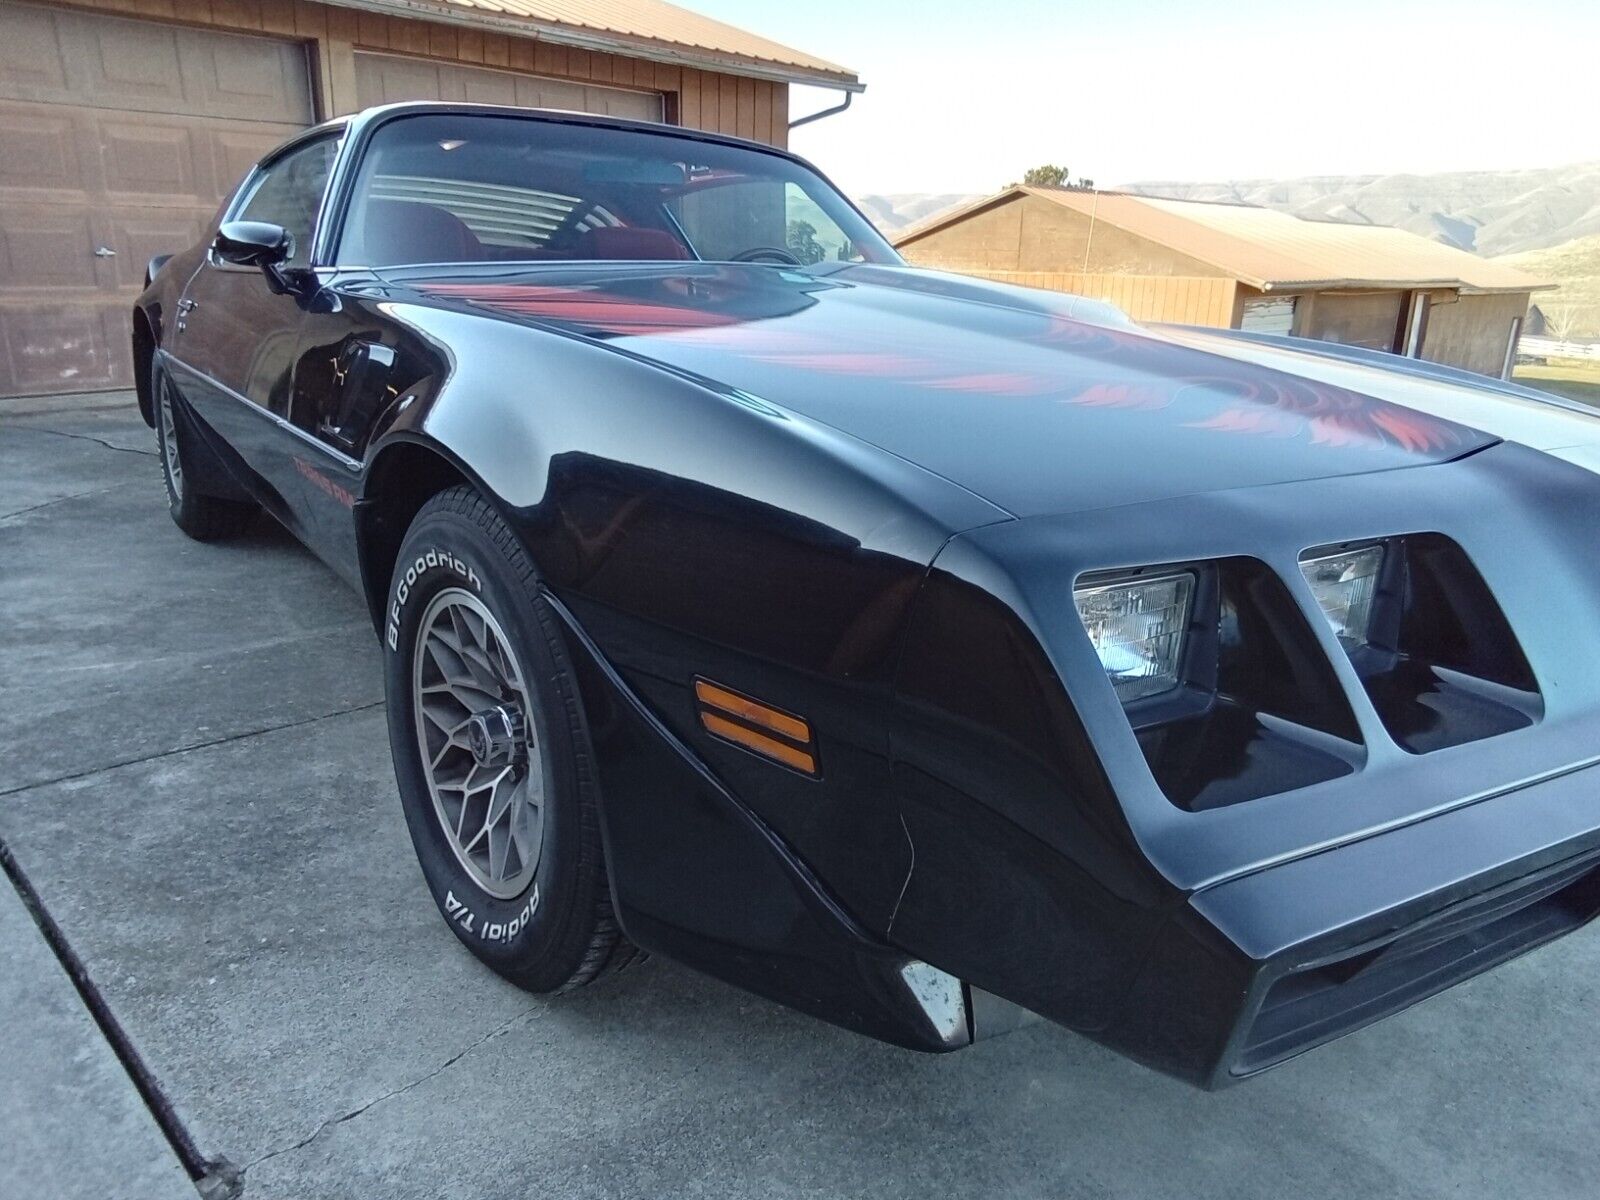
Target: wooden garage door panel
{"points": [[557, 93], [388, 78], [235, 149], [141, 234], [159, 162], [381, 79], [256, 79], [64, 348], [130, 65], [616, 103], [45, 248], [488, 87], [33, 64], [38, 151]]}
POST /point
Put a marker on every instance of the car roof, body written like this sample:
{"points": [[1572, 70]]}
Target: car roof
{"points": [[377, 114]]}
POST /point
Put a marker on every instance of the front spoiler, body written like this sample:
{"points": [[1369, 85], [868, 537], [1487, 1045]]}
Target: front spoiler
{"points": [[1260, 968]]}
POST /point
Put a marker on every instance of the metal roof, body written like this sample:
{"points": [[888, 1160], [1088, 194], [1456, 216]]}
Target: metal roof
{"points": [[1270, 250], [649, 29]]}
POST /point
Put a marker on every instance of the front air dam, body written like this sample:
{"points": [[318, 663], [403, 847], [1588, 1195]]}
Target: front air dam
{"points": [[1260, 968]]}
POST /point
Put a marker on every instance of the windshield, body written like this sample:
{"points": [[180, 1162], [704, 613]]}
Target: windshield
{"points": [[445, 187]]}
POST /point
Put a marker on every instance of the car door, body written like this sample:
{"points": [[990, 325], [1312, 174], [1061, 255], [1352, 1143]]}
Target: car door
{"points": [[237, 338]]}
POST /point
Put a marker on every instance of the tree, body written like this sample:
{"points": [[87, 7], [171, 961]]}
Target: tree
{"points": [[1051, 176], [1046, 176], [801, 237], [1560, 320]]}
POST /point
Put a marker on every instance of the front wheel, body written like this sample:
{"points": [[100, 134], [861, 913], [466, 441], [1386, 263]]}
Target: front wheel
{"points": [[490, 754]]}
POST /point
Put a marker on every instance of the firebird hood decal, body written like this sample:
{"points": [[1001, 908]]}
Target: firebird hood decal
{"points": [[999, 389]]}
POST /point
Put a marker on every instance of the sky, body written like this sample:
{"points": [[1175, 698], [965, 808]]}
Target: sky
{"points": [[963, 95]]}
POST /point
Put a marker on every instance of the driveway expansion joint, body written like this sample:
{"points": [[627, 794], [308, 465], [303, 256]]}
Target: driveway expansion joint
{"points": [[139, 1073], [22, 512], [18, 789], [331, 1122]]}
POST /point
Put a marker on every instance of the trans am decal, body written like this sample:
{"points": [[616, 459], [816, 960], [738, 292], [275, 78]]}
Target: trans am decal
{"points": [[1330, 416], [1059, 359], [322, 483], [595, 310]]}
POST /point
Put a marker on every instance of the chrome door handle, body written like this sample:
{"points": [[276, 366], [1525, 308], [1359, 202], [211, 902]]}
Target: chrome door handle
{"points": [[104, 252]]}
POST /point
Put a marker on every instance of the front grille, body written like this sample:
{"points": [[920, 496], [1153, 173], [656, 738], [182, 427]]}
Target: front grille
{"points": [[1316, 1003]]}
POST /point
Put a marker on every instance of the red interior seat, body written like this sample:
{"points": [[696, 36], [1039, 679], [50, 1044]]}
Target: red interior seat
{"points": [[404, 231], [622, 242]]}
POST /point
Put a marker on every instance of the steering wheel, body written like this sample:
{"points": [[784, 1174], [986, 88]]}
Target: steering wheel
{"points": [[775, 254]]}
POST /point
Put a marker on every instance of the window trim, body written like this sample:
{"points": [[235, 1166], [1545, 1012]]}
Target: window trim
{"points": [[363, 129], [253, 179]]}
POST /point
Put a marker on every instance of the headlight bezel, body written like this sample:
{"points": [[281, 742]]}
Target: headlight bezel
{"points": [[1257, 708], [1439, 662], [1132, 688], [1360, 591]]}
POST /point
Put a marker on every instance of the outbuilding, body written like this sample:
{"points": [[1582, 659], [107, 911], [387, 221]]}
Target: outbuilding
{"points": [[124, 122], [1242, 267]]}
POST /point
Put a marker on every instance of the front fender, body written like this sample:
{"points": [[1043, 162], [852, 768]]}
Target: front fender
{"points": [[698, 532]]}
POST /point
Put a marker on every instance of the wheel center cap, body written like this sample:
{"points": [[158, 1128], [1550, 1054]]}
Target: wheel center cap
{"points": [[495, 735]]}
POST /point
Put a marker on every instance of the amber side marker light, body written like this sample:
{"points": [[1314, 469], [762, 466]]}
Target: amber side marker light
{"points": [[757, 727]]}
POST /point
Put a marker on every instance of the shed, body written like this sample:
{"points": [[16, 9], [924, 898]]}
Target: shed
{"points": [[1240, 266]]}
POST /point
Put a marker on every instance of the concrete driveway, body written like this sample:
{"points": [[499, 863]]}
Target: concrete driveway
{"points": [[195, 787]]}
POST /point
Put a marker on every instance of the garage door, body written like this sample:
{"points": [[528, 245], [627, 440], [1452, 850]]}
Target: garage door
{"points": [[387, 78], [118, 138], [1371, 319]]}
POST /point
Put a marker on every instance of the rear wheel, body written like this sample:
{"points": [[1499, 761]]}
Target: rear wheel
{"points": [[490, 753], [204, 518]]}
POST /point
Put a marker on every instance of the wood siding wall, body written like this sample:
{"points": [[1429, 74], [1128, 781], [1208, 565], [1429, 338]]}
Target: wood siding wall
{"points": [[733, 104], [1180, 299], [1473, 332]]}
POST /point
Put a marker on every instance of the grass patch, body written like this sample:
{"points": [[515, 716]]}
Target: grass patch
{"points": [[1569, 378]]}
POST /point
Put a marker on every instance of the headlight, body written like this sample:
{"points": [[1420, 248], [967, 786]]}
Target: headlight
{"points": [[1137, 629], [1344, 584]]}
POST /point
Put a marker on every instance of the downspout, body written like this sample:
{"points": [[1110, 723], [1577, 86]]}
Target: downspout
{"points": [[827, 112], [1088, 241]]}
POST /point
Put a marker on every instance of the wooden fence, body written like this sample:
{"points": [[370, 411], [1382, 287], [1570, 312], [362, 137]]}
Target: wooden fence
{"points": [[1538, 347]]}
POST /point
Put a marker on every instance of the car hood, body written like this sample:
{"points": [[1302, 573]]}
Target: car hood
{"points": [[1563, 427], [1037, 402]]}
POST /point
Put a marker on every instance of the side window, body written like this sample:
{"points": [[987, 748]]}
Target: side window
{"points": [[289, 192]]}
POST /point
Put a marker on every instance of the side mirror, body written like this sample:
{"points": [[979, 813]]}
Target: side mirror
{"points": [[257, 244], [253, 244]]}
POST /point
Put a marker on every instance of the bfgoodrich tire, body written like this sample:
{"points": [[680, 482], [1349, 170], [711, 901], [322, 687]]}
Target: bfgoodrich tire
{"points": [[204, 518], [490, 754]]}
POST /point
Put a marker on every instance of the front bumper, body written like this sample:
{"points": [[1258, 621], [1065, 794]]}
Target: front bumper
{"points": [[1260, 968]]}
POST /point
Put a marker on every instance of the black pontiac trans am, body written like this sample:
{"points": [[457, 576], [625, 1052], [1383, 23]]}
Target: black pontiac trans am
{"points": [[922, 653]]}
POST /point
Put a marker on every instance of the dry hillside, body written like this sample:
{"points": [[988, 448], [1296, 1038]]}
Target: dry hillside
{"points": [[1487, 212], [894, 212], [1575, 265]]}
